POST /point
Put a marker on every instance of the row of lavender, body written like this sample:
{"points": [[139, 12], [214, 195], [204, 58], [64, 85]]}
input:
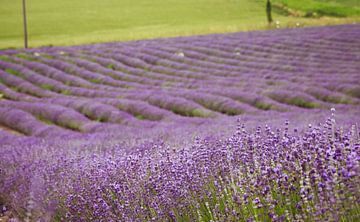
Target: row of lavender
{"points": [[167, 80], [280, 173]]}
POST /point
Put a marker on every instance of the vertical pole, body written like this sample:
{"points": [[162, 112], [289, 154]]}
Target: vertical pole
{"points": [[268, 11], [25, 25]]}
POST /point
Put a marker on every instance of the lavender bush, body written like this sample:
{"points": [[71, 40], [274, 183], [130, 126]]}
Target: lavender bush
{"points": [[269, 174]]}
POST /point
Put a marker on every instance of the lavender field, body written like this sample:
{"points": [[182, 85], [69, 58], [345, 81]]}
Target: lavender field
{"points": [[258, 126]]}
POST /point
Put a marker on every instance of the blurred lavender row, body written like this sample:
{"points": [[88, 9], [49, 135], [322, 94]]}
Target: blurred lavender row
{"points": [[202, 76]]}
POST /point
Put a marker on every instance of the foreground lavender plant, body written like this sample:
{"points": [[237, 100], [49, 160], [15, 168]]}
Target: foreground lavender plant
{"points": [[265, 175]]}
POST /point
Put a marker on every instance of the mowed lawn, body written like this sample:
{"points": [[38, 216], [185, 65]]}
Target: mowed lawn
{"points": [[68, 22]]}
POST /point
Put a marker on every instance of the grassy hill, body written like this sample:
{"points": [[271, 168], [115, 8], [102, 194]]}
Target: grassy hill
{"points": [[70, 22]]}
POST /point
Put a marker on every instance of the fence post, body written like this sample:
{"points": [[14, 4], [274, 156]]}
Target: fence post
{"points": [[268, 11], [25, 25]]}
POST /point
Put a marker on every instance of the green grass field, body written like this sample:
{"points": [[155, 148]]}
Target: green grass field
{"points": [[68, 22], [336, 8]]}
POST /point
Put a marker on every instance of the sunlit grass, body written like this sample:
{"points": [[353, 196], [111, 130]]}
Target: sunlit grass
{"points": [[73, 23]]}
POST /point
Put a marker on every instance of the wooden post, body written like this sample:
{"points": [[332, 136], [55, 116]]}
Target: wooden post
{"points": [[25, 25], [268, 11]]}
